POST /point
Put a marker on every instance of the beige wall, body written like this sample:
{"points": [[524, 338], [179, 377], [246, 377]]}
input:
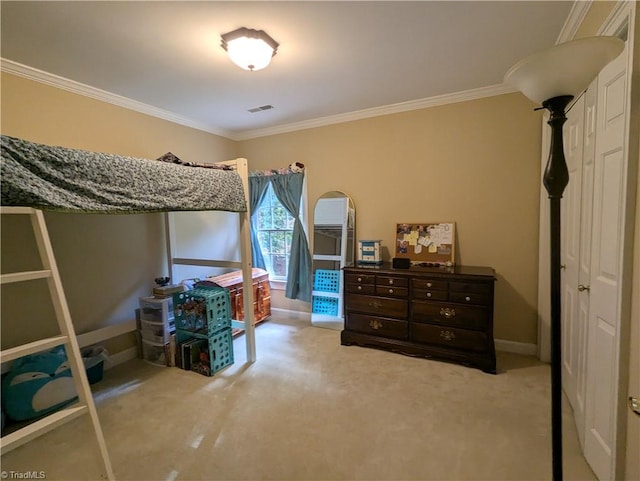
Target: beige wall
{"points": [[475, 163], [597, 14], [106, 262]]}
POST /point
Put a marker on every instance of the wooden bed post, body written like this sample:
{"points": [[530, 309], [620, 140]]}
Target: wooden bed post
{"points": [[247, 265], [169, 230]]}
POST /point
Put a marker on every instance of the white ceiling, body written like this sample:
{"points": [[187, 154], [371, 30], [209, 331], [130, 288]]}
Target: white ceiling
{"points": [[335, 58]]}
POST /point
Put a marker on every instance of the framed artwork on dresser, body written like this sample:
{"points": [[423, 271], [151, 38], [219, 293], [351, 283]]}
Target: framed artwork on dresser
{"points": [[426, 242]]}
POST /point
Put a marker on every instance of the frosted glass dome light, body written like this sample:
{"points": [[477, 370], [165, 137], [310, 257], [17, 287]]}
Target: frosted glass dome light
{"points": [[249, 49]]}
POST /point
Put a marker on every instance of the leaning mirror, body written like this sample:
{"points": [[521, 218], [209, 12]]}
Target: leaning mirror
{"points": [[333, 248]]}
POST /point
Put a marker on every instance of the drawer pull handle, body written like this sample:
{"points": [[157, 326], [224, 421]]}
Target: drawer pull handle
{"points": [[359, 279], [428, 294], [375, 304], [448, 312], [447, 335], [390, 282], [428, 284], [390, 291], [375, 324], [467, 299], [359, 288]]}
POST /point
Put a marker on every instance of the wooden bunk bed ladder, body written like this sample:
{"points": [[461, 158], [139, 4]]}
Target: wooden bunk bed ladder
{"points": [[67, 337]]}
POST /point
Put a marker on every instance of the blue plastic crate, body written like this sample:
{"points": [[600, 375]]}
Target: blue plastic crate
{"points": [[325, 305], [204, 310], [326, 280]]}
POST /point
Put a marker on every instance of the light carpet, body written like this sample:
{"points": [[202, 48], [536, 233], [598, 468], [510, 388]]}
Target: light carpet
{"points": [[311, 409]]}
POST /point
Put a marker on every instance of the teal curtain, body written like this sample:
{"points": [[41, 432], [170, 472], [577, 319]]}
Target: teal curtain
{"points": [[288, 190], [257, 190]]}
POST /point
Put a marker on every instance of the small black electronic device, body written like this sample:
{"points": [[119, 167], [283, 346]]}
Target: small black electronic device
{"points": [[401, 263]]}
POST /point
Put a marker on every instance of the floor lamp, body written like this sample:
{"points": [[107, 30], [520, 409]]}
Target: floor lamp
{"points": [[553, 78]]}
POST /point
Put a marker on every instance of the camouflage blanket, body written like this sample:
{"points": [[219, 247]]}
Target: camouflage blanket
{"points": [[71, 180]]}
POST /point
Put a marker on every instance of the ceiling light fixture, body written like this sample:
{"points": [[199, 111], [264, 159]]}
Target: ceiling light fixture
{"points": [[249, 49]]}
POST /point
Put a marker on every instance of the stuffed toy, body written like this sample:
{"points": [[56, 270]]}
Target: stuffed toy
{"points": [[38, 384], [296, 167]]}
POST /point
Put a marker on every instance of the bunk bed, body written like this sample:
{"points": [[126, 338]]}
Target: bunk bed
{"points": [[37, 177]]}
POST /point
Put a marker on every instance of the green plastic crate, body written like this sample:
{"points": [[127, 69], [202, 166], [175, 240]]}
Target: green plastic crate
{"points": [[204, 310], [207, 354]]}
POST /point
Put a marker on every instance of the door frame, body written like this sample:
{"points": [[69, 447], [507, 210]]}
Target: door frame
{"points": [[623, 17]]}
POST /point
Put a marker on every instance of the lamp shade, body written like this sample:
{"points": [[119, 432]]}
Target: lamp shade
{"points": [[565, 69], [249, 49]]}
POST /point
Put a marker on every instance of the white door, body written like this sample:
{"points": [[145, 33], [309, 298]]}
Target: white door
{"points": [[606, 270], [573, 326], [577, 205], [584, 267]]}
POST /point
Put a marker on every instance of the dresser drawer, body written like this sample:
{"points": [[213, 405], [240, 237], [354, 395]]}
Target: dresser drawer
{"points": [[392, 291], [429, 284], [377, 326], [392, 281], [470, 287], [450, 337], [472, 317], [381, 306], [361, 288], [360, 279], [430, 295], [470, 298]]}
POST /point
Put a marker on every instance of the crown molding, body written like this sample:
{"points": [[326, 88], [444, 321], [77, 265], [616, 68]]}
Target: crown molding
{"points": [[622, 15], [571, 25], [439, 100], [47, 78]]}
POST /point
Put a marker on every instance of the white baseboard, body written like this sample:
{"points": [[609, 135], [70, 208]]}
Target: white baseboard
{"points": [[109, 332], [100, 335], [122, 356], [299, 314], [516, 347]]}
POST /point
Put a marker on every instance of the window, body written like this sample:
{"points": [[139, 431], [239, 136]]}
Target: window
{"points": [[275, 231]]}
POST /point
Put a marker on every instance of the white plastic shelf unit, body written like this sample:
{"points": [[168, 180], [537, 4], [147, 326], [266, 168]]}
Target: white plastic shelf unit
{"points": [[67, 337], [332, 215], [156, 326]]}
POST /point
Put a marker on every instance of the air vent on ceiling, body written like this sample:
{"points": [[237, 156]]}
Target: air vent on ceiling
{"points": [[259, 109]]}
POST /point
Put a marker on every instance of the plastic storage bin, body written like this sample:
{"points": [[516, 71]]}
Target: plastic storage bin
{"points": [[155, 325], [93, 358], [326, 280], [156, 309], [204, 310], [325, 305], [204, 354], [154, 353], [156, 331]]}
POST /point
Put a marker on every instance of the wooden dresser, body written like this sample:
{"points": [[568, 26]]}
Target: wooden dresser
{"points": [[440, 313]]}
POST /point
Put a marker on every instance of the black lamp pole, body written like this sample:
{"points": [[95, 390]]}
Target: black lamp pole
{"points": [[556, 178]]}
